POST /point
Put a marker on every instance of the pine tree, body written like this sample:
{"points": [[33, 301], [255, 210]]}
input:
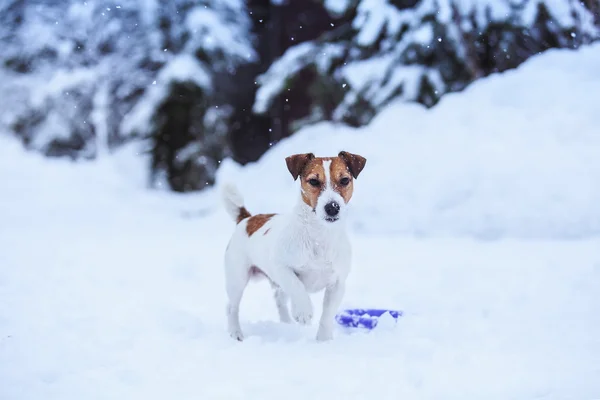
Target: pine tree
{"points": [[411, 51]]}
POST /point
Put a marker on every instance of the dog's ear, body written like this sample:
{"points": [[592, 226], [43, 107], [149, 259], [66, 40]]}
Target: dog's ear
{"points": [[354, 162], [297, 162]]}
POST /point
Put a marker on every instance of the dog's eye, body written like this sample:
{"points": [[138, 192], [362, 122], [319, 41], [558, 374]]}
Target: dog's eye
{"points": [[344, 181], [314, 182]]}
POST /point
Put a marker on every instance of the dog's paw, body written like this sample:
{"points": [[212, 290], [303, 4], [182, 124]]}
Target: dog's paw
{"points": [[285, 318], [302, 313], [303, 318], [237, 335], [324, 335]]}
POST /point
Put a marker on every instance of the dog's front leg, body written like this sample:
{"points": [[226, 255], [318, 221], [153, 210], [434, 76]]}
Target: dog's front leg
{"points": [[331, 301], [302, 308]]}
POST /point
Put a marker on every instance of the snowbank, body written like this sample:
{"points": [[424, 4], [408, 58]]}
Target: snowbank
{"points": [[516, 154]]}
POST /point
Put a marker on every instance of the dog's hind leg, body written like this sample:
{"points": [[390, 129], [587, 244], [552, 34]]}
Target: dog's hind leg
{"points": [[281, 301], [236, 279]]}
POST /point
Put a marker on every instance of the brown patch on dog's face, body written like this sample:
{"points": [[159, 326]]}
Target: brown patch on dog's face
{"points": [[256, 222], [312, 181], [342, 170], [341, 179]]}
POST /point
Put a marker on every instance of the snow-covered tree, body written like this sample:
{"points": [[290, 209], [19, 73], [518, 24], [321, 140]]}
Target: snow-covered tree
{"points": [[415, 51], [80, 77], [277, 25], [66, 71], [187, 107]]}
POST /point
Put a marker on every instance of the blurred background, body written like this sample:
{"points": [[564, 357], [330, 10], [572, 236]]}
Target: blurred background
{"points": [[199, 81]]}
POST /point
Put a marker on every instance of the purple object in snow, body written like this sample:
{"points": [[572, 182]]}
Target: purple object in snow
{"points": [[364, 317]]}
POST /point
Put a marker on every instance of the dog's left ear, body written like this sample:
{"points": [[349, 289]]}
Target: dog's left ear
{"points": [[297, 162], [354, 162]]}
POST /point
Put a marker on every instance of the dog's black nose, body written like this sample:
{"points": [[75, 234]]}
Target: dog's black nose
{"points": [[332, 208]]}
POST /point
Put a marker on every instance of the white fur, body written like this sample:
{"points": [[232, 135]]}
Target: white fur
{"points": [[232, 200], [329, 195], [301, 254]]}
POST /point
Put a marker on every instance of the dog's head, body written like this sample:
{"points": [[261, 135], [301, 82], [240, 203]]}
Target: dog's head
{"points": [[326, 183]]}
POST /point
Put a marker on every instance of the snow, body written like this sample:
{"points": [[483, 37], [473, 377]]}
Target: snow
{"points": [[502, 158], [182, 68], [409, 78], [371, 18], [61, 82], [337, 7], [423, 35], [329, 53], [110, 291], [213, 33], [185, 67], [149, 11], [361, 75], [272, 82]]}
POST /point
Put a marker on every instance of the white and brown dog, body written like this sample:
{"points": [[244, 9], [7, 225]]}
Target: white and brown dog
{"points": [[301, 252]]}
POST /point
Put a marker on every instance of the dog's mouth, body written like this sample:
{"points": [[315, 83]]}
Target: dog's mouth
{"points": [[331, 219]]}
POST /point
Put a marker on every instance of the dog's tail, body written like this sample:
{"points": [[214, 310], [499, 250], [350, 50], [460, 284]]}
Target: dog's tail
{"points": [[234, 203]]}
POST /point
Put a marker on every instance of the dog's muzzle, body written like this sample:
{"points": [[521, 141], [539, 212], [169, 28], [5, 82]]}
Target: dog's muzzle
{"points": [[332, 209]]}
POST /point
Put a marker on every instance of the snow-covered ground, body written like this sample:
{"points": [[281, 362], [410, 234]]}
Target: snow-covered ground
{"points": [[108, 291]]}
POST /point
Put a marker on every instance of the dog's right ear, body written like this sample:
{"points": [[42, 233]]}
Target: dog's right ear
{"points": [[297, 162]]}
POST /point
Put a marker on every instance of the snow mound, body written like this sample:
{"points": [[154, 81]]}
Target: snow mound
{"points": [[513, 155]]}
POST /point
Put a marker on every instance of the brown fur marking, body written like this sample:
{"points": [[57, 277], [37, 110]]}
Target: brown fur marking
{"points": [[242, 215], [256, 222], [338, 170], [313, 170], [297, 163], [355, 162]]}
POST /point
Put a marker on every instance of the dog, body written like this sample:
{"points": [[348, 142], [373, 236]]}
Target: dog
{"points": [[304, 251]]}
